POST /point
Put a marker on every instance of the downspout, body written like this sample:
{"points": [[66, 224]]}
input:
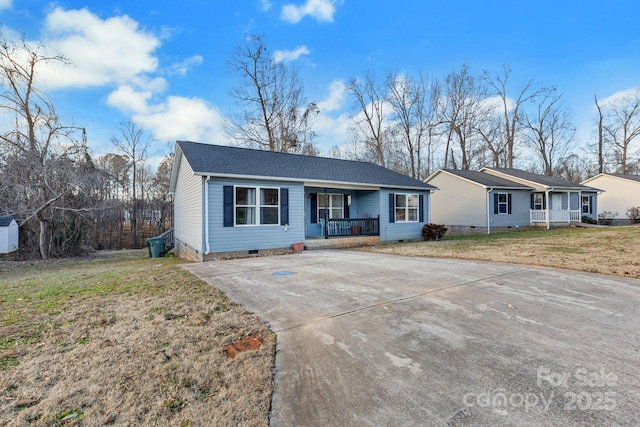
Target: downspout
{"points": [[489, 211], [206, 215], [548, 212]]}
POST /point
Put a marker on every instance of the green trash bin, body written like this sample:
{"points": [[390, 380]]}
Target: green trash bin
{"points": [[156, 247]]}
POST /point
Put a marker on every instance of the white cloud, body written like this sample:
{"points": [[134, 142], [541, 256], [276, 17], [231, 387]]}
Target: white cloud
{"points": [[5, 4], [321, 10], [183, 67], [183, 118], [126, 98], [103, 51], [265, 5], [620, 97], [336, 98], [290, 55]]}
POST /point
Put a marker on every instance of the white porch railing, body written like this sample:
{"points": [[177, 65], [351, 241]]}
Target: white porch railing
{"points": [[564, 215]]}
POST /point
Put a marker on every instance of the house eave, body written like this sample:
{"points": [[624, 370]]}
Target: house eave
{"points": [[315, 183]]}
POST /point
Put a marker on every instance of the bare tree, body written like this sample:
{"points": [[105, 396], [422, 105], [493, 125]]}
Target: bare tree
{"points": [[41, 154], [274, 114], [600, 147], [371, 127], [510, 109], [622, 127], [134, 143], [549, 131], [463, 109], [413, 113]]}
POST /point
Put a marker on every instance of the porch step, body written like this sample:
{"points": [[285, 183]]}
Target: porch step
{"points": [[341, 242]]}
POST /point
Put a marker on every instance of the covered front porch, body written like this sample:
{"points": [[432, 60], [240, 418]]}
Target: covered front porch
{"points": [[553, 207], [341, 213]]}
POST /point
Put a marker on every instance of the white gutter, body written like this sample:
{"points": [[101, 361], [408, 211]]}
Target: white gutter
{"points": [[206, 215], [489, 211]]}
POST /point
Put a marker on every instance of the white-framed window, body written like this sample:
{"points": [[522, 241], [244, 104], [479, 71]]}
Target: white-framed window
{"points": [[407, 207], [334, 204], [538, 201], [503, 203], [257, 206], [586, 205]]}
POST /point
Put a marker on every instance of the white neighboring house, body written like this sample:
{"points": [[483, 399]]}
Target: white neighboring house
{"points": [[8, 235], [621, 193]]}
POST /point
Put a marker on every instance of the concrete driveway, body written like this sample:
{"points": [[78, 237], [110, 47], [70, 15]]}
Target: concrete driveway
{"points": [[369, 339]]}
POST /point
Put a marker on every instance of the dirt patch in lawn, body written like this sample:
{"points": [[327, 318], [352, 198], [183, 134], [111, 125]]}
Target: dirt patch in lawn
{"points": [[612, 251], [127, 342]]}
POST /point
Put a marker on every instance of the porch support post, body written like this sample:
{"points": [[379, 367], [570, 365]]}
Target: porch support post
{"points": [[548, 212], [326, 214]]}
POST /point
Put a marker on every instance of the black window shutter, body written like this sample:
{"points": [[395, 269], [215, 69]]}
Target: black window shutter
{"points": [[227, 202], [314, 208], [284, 206], [509, 203], [392, 210], [346, 206], [532, 203], [591, 204], [421, 207], [495, 203], [544, 201]]}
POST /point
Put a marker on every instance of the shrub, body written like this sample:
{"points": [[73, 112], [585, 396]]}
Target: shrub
{"points": [[589, 220], [433, 231], [605, 217], [634, 214]]}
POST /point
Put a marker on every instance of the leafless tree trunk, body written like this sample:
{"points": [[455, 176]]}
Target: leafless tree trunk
{"points": [[600, 137], [413, 112], [510, 109], [549, 131], [39, 152], [133, 143], [463, 110], [623, 127], [274, 114], [371, 124]]}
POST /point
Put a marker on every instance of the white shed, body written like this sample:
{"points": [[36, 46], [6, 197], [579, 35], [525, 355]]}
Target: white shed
{"points": [[8, 234]]}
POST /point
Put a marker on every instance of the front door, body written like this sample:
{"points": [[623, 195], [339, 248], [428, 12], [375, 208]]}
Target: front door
{"points": [[556, 201]]}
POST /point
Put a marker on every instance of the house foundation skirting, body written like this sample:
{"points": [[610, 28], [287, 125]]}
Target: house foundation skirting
{"points": [[466, 229], [184, 251], [219, 256]]}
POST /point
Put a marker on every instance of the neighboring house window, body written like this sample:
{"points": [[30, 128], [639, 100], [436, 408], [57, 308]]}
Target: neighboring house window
{"points": [[257, 206], [406, 207], [586, 205], [502, 203], [335, 205], [538, 203]]}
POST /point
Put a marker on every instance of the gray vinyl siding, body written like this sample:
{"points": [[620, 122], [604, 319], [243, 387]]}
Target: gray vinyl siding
{"points": [[520, 207], [458, 202], [188, 206], [254, 237], [391, 232]]}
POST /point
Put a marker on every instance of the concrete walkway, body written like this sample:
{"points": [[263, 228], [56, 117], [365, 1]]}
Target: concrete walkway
{"points": [[377, 340]]}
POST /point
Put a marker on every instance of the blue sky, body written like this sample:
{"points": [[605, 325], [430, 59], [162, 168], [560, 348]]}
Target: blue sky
{"points": [[164, 63]]}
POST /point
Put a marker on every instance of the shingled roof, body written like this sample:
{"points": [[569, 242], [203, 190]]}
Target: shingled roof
{"points": [[487, 180], [5, 221], [626, 176], [221, 160], [543, 180]]}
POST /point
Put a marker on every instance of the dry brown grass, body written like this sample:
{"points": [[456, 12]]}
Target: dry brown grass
{"points": [[133, 341], [614, 251]]}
